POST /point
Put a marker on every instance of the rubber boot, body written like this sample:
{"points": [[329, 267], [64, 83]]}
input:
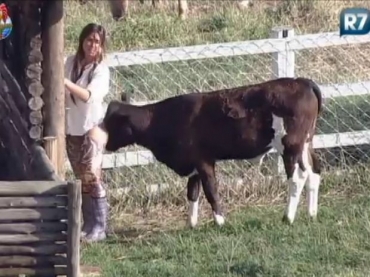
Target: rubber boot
{"points": [[86, 214], [99, 220]]}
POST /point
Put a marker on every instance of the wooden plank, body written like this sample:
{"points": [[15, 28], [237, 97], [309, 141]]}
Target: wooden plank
{"points": [[74, 222], [37, 201], [26, 239], [33, 271], [32, 227], [32, 188], [53, 81], [24, 214], [42, 250], [27, 261]]}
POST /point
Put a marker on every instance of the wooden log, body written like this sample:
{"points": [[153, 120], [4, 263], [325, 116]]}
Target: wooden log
{"points": [[33, 71], [36, 41], [32, 227], [26, 239], [35, 132], [74, 221], [53, 79], [34, 250], [26, 261], [35, 117], [33, 271], [51, 147], [35, 88], [32, 202], [22, 214], [35, 103], [33, 188], [35, 55]]}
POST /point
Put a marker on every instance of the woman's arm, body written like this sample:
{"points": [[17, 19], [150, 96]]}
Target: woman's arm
{"points": [[77, 91], [96, 90]]}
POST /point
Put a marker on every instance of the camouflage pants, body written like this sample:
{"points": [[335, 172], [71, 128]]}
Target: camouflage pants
{"points": [[86, 158]]}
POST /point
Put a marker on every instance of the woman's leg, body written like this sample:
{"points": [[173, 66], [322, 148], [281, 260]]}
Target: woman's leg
{"points": [[75, 152], [93, 160]]}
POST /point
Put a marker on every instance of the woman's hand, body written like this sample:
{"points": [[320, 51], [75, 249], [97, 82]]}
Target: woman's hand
{"points": [[76, 90]]}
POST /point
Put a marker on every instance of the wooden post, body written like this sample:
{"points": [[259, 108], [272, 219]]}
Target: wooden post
{"points": [[283, 65], [53, 82], [74, 223]]}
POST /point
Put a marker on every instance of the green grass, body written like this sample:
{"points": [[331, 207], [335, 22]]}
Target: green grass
{"points": [[254, 242]]}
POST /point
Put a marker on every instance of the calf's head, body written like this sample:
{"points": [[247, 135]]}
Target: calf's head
{"points": [[118, 126]]}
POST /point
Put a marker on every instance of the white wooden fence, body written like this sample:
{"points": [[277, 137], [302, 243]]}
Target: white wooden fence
{"points": [[282, 44]]}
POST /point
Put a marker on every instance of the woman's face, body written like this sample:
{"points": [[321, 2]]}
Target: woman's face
{"points": [[92, 46]]}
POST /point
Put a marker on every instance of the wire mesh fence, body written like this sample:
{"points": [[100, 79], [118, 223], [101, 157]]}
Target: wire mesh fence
{"points": [[341, 69]]}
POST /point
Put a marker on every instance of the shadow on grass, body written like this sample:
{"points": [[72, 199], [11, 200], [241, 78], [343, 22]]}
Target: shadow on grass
{"points": [[249, 269]]}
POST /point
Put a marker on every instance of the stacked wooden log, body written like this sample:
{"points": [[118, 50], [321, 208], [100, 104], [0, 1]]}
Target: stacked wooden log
{"points": [[28, 160], [33, 70], [40, 228], [34, 54]]}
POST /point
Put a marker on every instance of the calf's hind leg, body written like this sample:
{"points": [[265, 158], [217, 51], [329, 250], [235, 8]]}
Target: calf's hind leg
{"points": [[295, 175], [313, 183]]}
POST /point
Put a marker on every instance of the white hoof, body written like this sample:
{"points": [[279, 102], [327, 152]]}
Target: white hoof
{"points": [[192, 221], [219, 219]]}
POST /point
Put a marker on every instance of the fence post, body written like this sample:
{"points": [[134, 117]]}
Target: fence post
{"points": [[283, 65]]}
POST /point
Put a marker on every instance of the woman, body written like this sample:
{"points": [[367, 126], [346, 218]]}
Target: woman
{"points": [[86, 83]]}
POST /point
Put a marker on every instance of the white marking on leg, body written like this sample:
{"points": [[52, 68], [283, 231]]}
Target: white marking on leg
{"points": [[296, 184], [193, 213], [313, 184], [219, 219], [280, 132], [193, 206]]}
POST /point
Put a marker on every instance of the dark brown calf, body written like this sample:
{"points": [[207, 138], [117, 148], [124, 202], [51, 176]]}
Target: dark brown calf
{"points": [[189, 133]]}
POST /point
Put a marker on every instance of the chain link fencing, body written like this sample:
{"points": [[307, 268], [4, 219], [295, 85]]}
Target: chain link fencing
{"points": [[151, 75]]}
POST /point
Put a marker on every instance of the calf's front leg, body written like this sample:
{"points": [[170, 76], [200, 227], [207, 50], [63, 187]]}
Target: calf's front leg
{"points": [[193, 198], [208, 177]]}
